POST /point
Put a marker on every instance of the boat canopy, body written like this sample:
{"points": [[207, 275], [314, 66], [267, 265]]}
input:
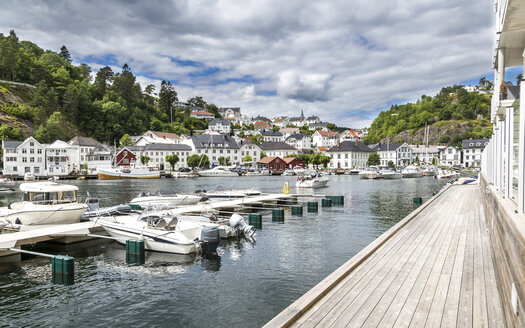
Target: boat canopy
{"points": [[46, 187]]}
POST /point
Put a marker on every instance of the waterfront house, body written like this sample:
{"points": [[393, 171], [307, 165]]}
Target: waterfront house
{"points": [[280, 149], [91, 154], [322, 138], [450, 156], [292, 162], [399, 153], [220, 126], [157, 154], [199, 114], [230, 112], [60, 158], [128, 156], [248, 148], [215, 146], [272, 136], [157, 137], [349, 155], [425, 154], [300, 141], [21, 157], [273, 163], [472, 149]]}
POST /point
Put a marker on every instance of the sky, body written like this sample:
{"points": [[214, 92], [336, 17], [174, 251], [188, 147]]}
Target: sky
{"points": [[344, 61]]}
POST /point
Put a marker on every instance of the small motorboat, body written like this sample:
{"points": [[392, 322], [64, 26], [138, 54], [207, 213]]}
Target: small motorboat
{"points": [[163, 232], [45, 203], [391, 174], [29, 177], [54, 178], [370, 173], [288, 172], [218, 171], [7, 181], [259, 173], [165, 197], [6, 190], [310, 179], [412, 171], [430, 171], [219, 194], [447, 174], [354, 171]]}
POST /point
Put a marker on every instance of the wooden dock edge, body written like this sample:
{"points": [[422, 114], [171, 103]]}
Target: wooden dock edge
{"points": [[305, 302]]}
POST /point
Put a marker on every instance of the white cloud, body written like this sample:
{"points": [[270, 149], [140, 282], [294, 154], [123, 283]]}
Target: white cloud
{"points": [[342, 57]]}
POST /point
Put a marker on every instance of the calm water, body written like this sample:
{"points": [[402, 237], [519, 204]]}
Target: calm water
{"points": [[246, 286]]}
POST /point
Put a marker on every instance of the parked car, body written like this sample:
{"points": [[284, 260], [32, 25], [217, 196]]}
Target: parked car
{"points": [[184, 169]]}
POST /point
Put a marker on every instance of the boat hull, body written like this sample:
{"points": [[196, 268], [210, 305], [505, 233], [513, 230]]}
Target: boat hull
{"points": [[46, 214], [369, 175], [315, 183], [413, 175], [115, 174], [392, 176], [170, 201]]}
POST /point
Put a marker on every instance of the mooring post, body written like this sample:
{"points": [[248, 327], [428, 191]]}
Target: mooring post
{"points": [[63, 269], [135, 252], [313, 207], [278, 215], [297, 210], [255, 219]]}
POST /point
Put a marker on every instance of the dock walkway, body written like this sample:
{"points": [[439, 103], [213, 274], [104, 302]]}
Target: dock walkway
{"points": [[434, 268]]}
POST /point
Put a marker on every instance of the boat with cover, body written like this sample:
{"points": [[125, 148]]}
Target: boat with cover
{"points": [[127, 173], [165, 197], [288, 172], [218, 171], [391, 174], [412, 171], [45, 203], [310, 179], [163, 232], [371, 172]]}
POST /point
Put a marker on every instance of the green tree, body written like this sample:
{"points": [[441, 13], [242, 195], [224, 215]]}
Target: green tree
{"points": [[373, 159], [167, 96], [275, 128], [224, 160], [53, 129], [124, 85], [332, 126], [125, 140], [247, 158], [305, 158], [64, 53], [391, 164], [257, 139], [519, 77], [325, 160], [144, 159], [197, 102], [103, 81], [172, 160], [198, 161], [263, 154]]}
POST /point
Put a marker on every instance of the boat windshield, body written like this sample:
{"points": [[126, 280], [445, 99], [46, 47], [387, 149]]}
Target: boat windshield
{"points": [[51, 197]]}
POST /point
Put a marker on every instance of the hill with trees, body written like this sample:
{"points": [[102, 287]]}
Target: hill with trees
{"points": [[453, 115], [54, 99]]}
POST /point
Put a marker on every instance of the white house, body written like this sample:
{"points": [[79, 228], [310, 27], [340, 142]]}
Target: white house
{"points": [[91, 153], [313, 119], [300, 141], [349, 155], [230, 112], [220, 126], [271, 136], [280, 122], [348, 135], [450, 156], [21, 157], [215, 146], [316, 126], [248, 148], [472, 149], [399, 153], [199, 114], [425, 154], [327, 138], [288, 131], [158, 152], [277, 149], [60, 158], [157, 137]]}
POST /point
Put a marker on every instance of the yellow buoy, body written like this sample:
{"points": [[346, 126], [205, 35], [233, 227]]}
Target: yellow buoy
{"points": [[286, 189]]}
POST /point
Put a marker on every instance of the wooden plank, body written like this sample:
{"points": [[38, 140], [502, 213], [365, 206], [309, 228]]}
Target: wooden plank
{"points": [[361, 277], [377, 304], [479, 310]]}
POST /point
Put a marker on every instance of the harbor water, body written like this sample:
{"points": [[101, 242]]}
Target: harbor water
{"points": [[246, 285]]}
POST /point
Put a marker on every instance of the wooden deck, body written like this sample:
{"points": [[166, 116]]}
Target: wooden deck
{"points": [[433, 269]]}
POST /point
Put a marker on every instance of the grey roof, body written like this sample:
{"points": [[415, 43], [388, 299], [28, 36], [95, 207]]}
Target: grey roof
{"points": [[297, 136], [276, 146], [245, 142], [214, 141], [312, 117], [133, 148], [474, 143], [219, 122], [386, 147], [234, 109], [11, 143], [316, 125], [173, 147], [261, 118], [271, 134], [351, 146], [295, 119], [85, 141]]}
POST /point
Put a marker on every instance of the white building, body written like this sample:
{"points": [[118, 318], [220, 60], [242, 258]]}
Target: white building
{"points": [[300, 141], [248, 148], [280, 122], [158, 152], [288, 131], [316, 126], [472, 149], [450, 156], [230, 112], [60, 158], [322, 138], [91, 154], [348, 135], [349, 155], [271, 136], [156, 137], [220, 126], [425, 154], [215, 146], [312, 120], [277, 149], [21, 157], [199, 114], [399, 153]]}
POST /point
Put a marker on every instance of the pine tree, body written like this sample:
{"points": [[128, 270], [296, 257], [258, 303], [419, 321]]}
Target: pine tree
{"points": [[64, 53]]}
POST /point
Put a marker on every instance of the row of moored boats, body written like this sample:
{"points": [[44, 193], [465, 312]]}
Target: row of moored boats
{"points": [[411, 171]]}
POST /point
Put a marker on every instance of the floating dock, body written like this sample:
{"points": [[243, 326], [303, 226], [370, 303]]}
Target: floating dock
{"points": [[433, 268]]}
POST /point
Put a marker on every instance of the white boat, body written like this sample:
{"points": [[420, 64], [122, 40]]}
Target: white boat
{"points": [[218, 171], [45, 203], [6, 190], [2, 225], [430, 171], [259, 173], [288, 172], [391, 174], [54, 178], [412, 171], [165, 197], [370, 173], [354, 171], [216, 195], [7, 181], [29, 177], [163, 233], [310, 179], [127, 173], [447, 174]]}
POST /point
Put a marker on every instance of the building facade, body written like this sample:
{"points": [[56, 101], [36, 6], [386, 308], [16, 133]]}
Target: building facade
{"points": [[349, 155], [472, 149], [399, 153], [21, 157], [450, 156]]}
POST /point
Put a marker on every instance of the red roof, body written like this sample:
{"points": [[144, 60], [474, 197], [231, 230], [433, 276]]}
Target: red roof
{"points": [[289, 159], [266, 159], [166, 135], [328, 133], [322, 148], [260, 125]]}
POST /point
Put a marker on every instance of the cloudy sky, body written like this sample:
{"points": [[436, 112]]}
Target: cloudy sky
{"points": [[342, 60]]}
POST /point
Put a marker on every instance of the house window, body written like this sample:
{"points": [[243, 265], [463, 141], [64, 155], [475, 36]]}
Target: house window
{"points": [[32, 144], [31, 159], [24, 159], [31, 151], [24, 151]]}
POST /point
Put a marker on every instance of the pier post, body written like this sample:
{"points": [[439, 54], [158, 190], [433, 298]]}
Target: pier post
{"points": [[312, 207], [135, 252], [297, 210], [255, 219], [278, 215], [63, 269], [326, 202]]}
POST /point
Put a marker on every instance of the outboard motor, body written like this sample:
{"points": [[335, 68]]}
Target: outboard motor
{"points": [[237, 222], [210, 239]]}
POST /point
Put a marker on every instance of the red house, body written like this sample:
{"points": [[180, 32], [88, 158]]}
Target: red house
{"points": [[272, 163], [127, 156], [292, 162]]}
